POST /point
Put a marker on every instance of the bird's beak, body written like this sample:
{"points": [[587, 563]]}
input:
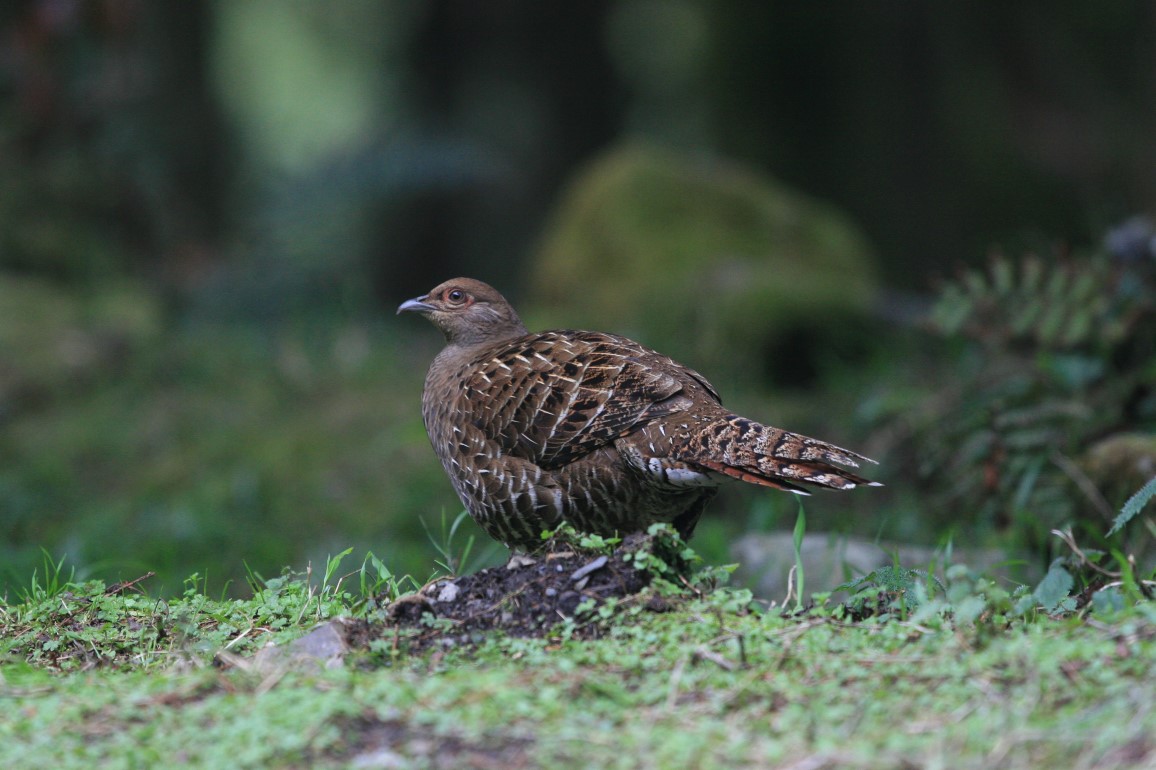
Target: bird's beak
{"points": [[417, 304]]}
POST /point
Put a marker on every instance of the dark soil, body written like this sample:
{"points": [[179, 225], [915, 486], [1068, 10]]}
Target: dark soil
{"points": [[531, 596]]}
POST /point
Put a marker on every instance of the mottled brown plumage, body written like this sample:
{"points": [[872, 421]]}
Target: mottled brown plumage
{"points": [[590, 428]]}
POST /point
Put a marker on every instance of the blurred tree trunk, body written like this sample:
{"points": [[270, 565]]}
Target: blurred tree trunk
{"points": [[191, 135], [112, 149], [532, 83]]}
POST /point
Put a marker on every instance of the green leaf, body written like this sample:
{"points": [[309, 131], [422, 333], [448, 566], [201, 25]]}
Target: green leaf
{"points": [[1032, 269], [1057, 284], [952, 309], [975, 283], [1085, 286], [1079, 324], [1002, 280], [1025, 604], [1025, 316], [1135, 503], [1051, 323], [800, 530], [969, 609], [1107, 600], [1027, 483], [1054, 588]]}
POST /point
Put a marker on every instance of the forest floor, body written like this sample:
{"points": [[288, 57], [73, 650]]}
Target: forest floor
{"points": [[590, 654]]}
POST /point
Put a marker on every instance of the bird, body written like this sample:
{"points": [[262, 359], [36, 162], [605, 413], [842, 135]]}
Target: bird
{"points": [[594, 429]]}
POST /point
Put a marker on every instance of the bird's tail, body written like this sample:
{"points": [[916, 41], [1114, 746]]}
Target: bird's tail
{"points": [[761, 454]]}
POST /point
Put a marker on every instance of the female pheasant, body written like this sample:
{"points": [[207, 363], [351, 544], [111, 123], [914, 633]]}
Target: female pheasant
{"points": [[595, 429]]}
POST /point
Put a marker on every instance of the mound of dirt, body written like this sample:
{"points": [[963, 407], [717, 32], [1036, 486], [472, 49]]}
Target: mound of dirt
{"points": [[530, 596], [527, 597]]}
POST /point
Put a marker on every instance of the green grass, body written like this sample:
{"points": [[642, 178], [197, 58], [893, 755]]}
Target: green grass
{"points": [[972, 677]]}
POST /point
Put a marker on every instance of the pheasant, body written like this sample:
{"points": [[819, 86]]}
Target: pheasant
{"points": [[595, 429]]}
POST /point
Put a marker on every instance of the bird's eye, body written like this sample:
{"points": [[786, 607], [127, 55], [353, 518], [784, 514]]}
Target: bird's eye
{"points": [[456, 296]]}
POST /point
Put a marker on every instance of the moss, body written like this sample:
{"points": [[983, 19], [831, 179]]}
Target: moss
{"points": [[699, 257], [1121, 463]]}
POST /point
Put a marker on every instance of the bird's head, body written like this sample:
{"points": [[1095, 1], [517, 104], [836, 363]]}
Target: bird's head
{"points": [[468, 312]]}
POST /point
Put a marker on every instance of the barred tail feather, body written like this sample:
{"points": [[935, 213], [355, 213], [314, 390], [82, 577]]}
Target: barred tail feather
{"points": [[770, 457]]}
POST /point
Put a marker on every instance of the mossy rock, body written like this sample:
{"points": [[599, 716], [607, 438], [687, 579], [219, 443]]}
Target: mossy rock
{"points": [[52, 338], [1120, 464], [699, 258]]}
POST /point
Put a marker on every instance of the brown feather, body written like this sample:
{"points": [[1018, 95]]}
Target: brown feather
{"points": [[588, 427]]}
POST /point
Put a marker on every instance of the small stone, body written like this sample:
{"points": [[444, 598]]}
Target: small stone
{"points": [[593, 566], [448, 593]]}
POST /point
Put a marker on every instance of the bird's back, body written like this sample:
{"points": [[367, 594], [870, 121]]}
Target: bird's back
{"points": [[532, 427]]}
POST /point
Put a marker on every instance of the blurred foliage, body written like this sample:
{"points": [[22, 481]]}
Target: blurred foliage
{"points": [[701, 259], [56, 340], [57, 219], [944, 128], [204, 207], [138, 136], [221, 447], [1047, 417], [112, 157]]}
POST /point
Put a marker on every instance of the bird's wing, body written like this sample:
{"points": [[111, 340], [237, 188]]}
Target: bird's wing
{"points": [[556, 396]]}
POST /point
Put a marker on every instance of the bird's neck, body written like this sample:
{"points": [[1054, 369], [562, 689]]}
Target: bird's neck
{"points": [[483, 331], [459, 353]]}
